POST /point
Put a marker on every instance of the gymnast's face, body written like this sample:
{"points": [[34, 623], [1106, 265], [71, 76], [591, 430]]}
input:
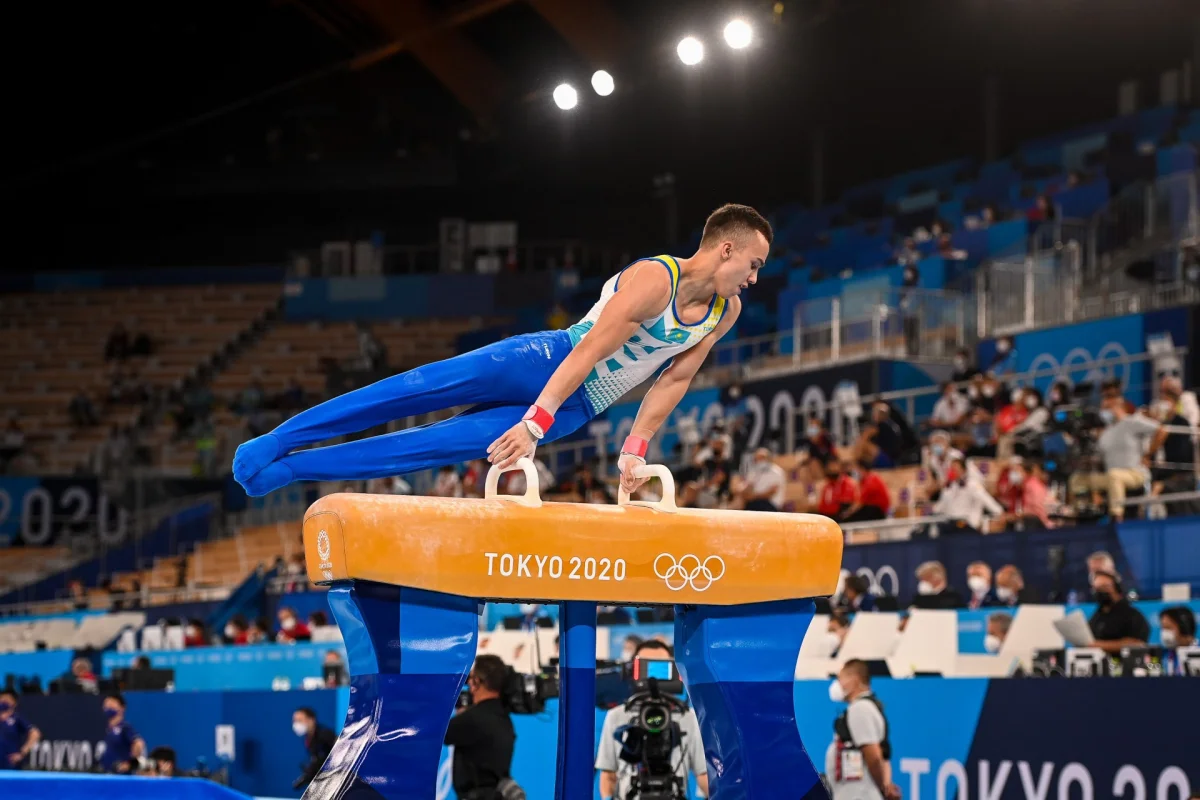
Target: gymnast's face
{"points": [[741, 259]]}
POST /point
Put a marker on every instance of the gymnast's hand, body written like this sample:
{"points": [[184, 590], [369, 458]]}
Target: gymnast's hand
{"points": [[627, 463], [517, 443], [252, 456]]}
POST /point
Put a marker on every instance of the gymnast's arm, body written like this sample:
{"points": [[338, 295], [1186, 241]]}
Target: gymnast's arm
{"points": [[674, 381]]}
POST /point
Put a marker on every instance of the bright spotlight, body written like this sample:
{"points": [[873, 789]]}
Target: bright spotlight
{"points": [[691, 51], [738, 34], [565, 96], [602, 82]]}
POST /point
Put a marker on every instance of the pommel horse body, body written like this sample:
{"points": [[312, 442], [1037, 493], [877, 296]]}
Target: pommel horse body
{"points": [[408, 576]]}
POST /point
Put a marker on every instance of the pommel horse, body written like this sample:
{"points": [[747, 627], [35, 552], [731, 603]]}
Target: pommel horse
{"points": [[408, 577]]}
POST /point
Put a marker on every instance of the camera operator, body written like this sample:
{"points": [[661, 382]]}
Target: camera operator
{"points": [[618, 775], [482, 733], [858, 761], [1122, 446]]}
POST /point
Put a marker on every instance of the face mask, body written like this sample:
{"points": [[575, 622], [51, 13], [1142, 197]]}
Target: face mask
{"points": [[1055, 397], [834, 641], [528, 609], [230, 632], [299, 728], [735, 393], [953, 476], [1014, 476], [836, 693], [1031, 402], [991, 643], [978, 584], [925, 587], [111, 712], [1005, 594], [288, 623], [5, 706], [972, 392], [960, 363], [1002, 347], [1169, 639], [989, 391], [1107, 416], [1102, 597], [1014, 396], [193, 632], [814, 431], [938, 449]]}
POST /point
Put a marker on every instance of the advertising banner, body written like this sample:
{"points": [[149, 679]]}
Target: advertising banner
{"points": [[831, 394], [72, 728], [37, 511]]}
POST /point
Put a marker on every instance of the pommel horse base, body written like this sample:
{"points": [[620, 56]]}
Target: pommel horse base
{"points": [[407, 577]]}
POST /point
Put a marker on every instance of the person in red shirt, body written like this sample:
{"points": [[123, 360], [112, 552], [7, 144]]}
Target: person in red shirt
{"points": [[839, 492], [194, 634], [873, 501], [291, 629]]}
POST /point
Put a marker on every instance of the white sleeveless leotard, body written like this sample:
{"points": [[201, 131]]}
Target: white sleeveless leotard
{"points": [[656, 341]]}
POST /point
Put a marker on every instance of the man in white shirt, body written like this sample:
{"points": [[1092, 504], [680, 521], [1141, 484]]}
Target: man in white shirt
{"points": [[951, 408], [965, 500], [765, 483], [858, 761], [616, 774]]}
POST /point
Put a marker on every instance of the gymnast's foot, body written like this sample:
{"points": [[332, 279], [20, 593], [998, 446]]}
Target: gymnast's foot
{"points": [[252, 456], [273, 476]]}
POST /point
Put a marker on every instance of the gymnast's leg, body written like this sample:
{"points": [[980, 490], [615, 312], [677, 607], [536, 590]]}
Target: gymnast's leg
{"points": [[460, 438], [513, 370]]}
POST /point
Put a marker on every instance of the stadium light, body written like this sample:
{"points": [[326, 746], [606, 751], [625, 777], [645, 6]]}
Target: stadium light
{"points": [[691, 51], [738, 34], [602, 82], [565, 96]]}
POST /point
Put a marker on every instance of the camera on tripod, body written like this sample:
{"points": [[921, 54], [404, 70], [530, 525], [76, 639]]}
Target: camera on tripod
{"points": [[1070, 443], [521, 693], [654, 732]]}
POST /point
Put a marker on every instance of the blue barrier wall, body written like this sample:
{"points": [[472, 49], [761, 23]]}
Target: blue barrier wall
{"points": [[46, 665], [237, 668], [985, 739]]}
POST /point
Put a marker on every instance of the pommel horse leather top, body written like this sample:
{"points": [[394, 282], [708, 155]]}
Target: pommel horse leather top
{"points": [[517, 547]]}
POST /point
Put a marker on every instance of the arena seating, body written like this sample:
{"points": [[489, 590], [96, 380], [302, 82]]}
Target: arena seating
{"points": [[96, 630], [19, 566], [55, 349]]}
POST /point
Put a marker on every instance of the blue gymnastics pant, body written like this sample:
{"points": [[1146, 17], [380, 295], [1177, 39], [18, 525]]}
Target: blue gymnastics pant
{"points": [[500, 382]]}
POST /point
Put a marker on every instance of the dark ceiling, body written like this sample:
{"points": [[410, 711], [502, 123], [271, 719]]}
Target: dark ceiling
{"points": [[289, 120]]}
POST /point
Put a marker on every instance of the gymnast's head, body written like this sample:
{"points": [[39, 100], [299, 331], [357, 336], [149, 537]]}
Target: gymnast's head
{"points": [[738, 240]]}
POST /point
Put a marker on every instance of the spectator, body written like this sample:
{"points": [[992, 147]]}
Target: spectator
{"points": [[965, 500], [117, 346], [1184, 403], [939, 455], [883, 441], [122, 745], [1172, 458], [1123, 448], [1010, 587], [291, 630], [986, 394], [318, 744], [78, 595], [194, 634], [473, 477], [1116, 623], [17, 737], [1059, 395], [517, 482], [835, 631], [260, 632], [12, 443], [856, 595], [820, 448], [237, 630], [162, 763], [964, 366], [838, 493], [873, 499], [997, 631], [1006, 421], [765, 483], [932, 590], [1178, 627], [81, 672], [979, 582], [951, 409], [981, 434], [1035, 503], [448, 484], [1027, 434], [82, 411]]}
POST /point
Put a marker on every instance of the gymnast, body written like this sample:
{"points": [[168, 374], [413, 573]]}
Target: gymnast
{"points": [[655, 310]]}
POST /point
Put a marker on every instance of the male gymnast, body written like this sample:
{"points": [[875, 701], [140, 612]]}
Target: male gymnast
{"points": [[653, 311]]}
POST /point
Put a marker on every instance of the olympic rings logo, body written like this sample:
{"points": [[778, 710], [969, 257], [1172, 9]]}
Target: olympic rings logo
{"points": [[688, 571]]}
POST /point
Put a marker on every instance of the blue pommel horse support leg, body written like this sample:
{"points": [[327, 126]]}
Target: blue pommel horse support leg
{"points": [[407, 575]]}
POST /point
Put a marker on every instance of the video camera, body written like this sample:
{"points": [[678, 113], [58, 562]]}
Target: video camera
{"points": [[521, 693], [654, 733], [1070, 443]]}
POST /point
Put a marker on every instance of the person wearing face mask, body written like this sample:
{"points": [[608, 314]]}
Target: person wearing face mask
{"points": [[932, 590], [291, 629], [1122, 446], [1174, 469], [856, 595], [838, 493], [964, 499], [1178, 625], [1008, 418], [122, 745], [318, 744], [1116, 623], [873, 500], [1010, 587], [193, 634], [819, 446], [997, 631], [765, 483], [882, 441], [17, 737], [1005, 360], [1032, 502], [237, 630], [951, 409], [979, 582], [835, 632], [964, 366], [1059, 395], [1183, 403], [1027, 434], [858, 761]]}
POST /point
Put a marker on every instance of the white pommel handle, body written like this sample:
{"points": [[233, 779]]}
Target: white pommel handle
{"points": [[532, 496], [667, 504]]}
